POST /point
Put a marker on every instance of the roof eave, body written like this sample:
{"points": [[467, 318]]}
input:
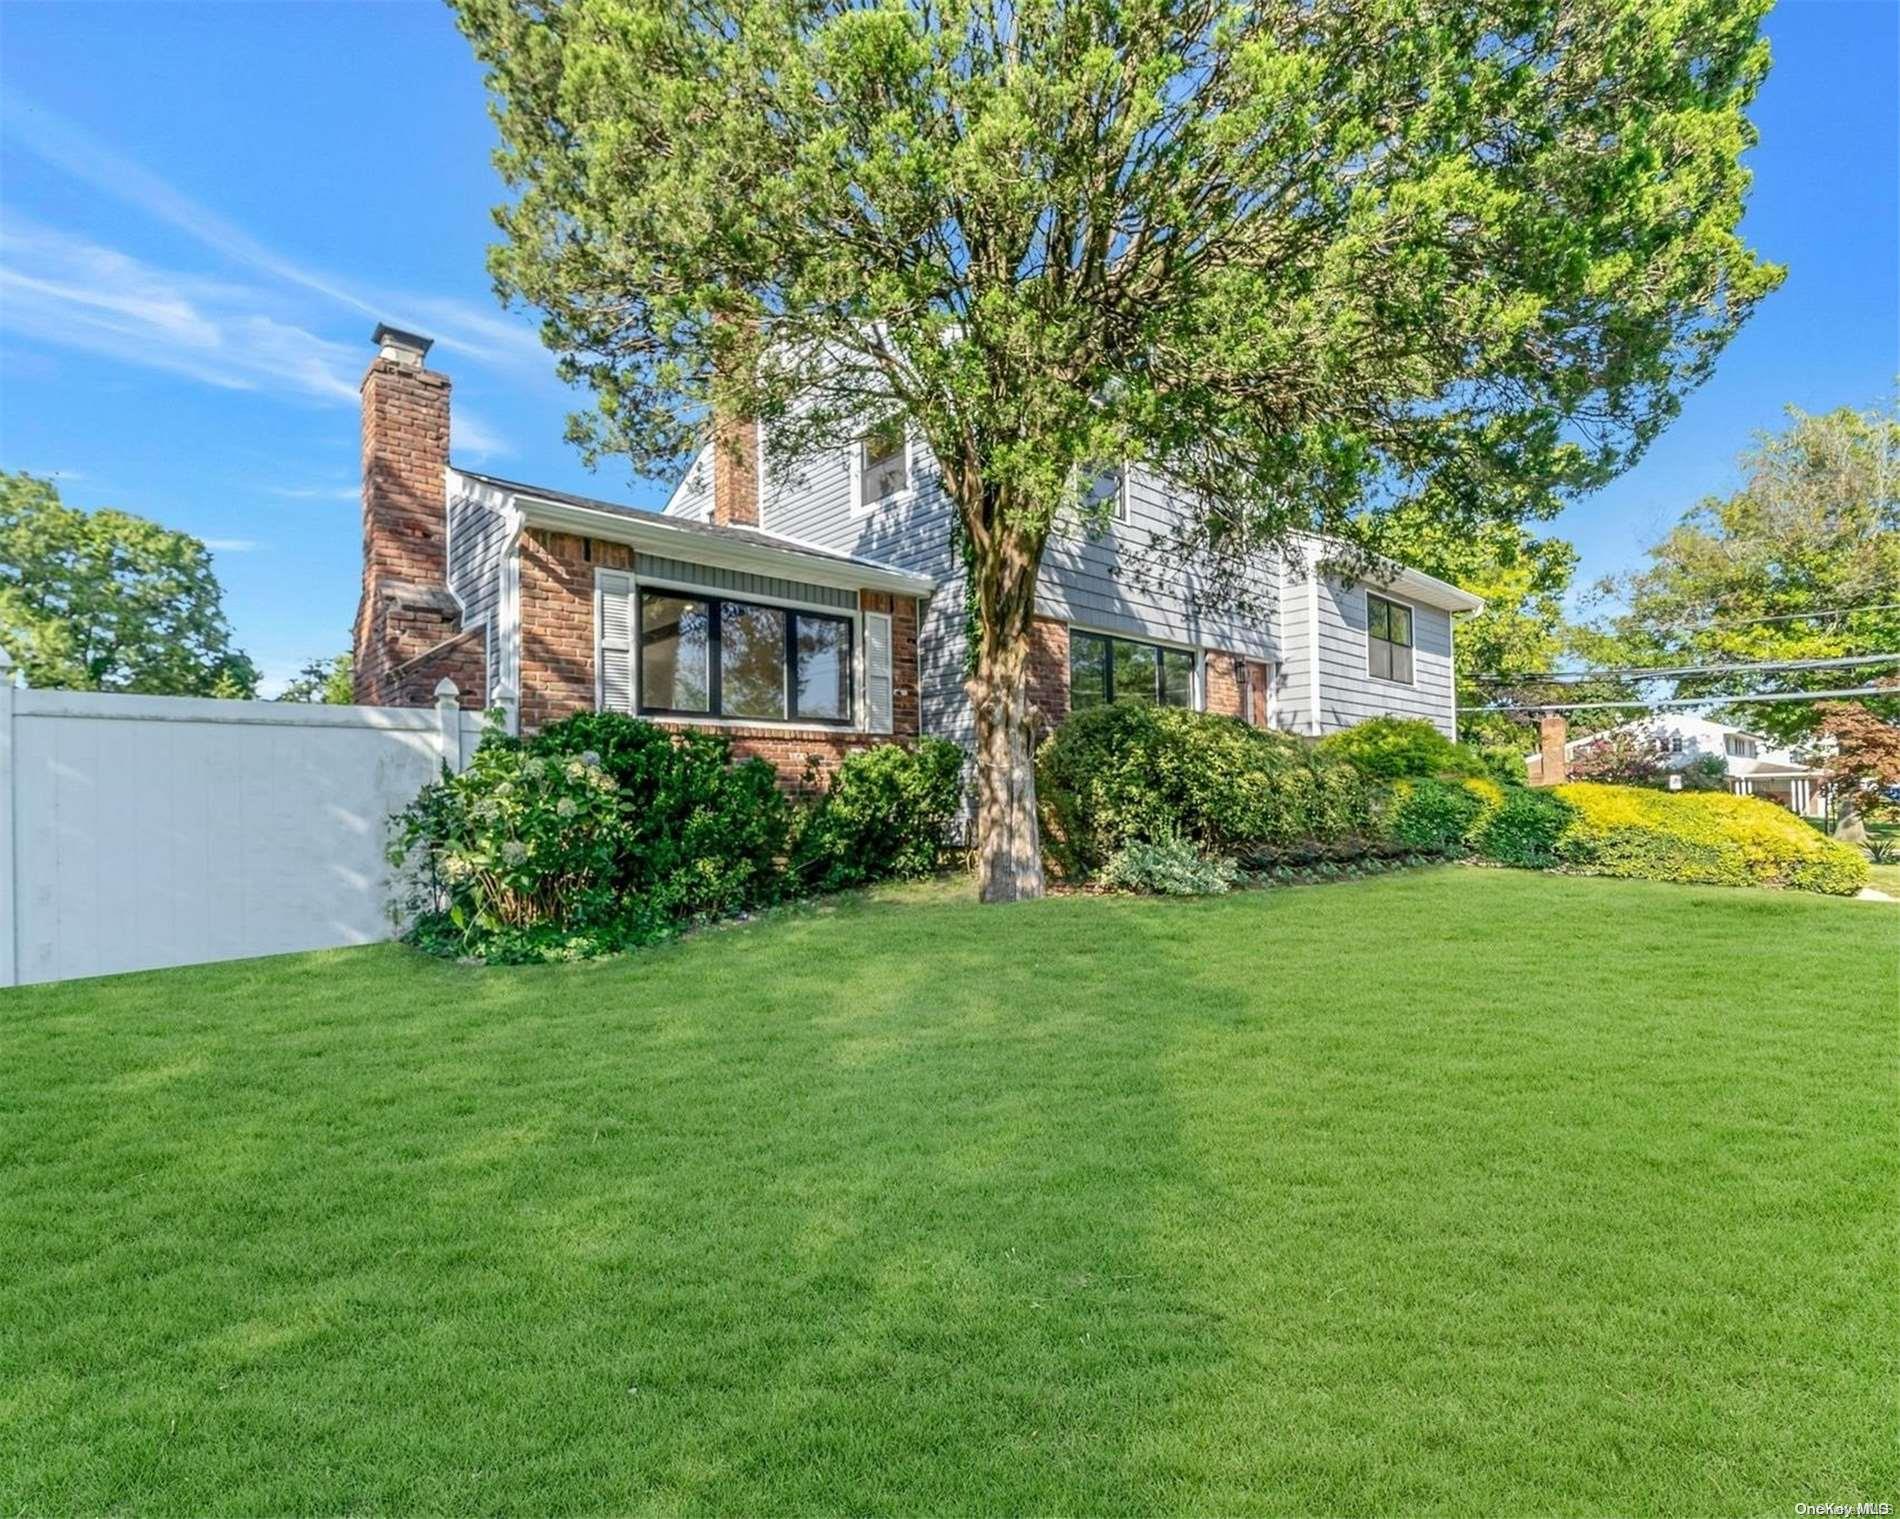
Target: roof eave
{"points": [[659, 535]]}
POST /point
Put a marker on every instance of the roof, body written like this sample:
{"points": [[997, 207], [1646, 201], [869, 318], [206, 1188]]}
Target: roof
{"points": [[740, 547]]}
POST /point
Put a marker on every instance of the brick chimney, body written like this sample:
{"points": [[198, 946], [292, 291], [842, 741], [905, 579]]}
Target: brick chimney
{"points": [[406, 609], [735, 448], [1553, 731]]}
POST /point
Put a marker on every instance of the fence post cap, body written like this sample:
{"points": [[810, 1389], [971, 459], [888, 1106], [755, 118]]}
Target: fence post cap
{"points": [[446, 689], [504, 693], [6, 660]]}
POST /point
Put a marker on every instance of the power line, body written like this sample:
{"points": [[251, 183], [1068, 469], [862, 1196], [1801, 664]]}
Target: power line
{"points": [[1750, 622], [1699, 701], [1670, 672]]}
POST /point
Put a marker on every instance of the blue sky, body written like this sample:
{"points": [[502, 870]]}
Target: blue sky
{"points": [[204, 209]]}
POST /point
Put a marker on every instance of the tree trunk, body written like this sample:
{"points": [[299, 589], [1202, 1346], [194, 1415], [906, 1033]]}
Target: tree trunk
{"points": [[1008, 842]]}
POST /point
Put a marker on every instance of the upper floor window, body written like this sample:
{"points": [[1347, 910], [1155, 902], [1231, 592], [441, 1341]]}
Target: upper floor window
{"points": [[1103, 669], [1388, 639], [1739, 746], [881, 467], [703, 656], [1106, 486]]}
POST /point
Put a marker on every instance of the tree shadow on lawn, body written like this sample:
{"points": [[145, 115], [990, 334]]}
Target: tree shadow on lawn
{"points": [[852, 1211]]}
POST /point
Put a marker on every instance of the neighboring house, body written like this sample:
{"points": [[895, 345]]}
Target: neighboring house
{"points": [[1756, 766], [816, 615]]}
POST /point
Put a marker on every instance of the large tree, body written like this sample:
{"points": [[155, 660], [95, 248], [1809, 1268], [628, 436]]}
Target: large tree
{"points": [[1310, 261], [105, 601], [1523, 630], [1802, 562]]}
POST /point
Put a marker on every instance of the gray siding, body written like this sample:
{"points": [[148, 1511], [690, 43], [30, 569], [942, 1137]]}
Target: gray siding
{"points": [[742, 583], [478, 534], [1348, 694], [692, 497], [1084, 580], [1096, 580]]}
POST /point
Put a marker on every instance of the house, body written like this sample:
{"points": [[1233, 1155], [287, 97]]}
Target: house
{"points": [[815, 615], [1756, 766]]}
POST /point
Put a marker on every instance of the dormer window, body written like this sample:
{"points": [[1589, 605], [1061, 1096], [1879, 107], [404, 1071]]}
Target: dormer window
{"points": [[881, 467]]}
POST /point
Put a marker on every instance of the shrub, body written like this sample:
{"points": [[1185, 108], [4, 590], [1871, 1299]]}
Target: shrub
{"points": [[1125, 773], [1523, 828], [517, 855], [1168, 867], [886, 815], [1404, 748], [1440, 817], [1714, 838], [703, 836]]}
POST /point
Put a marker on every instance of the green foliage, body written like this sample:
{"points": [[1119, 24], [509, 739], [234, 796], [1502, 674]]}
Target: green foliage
{"points": [[1125, 773], [1395, 748], [1803, 562], [604, 832], [702, 835], [1706, 772], [1169, 867], [885, 815], [105, 601], [517, 859], [1439, 817], [1312, 264], [1523, 828], [330, 681], [1710, 837], [1523, 628]]}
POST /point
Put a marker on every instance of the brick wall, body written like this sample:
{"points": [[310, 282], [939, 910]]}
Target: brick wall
{"points": [[557, 622], [462, 658], [405, 609], [557, 659], [1049, 670], [1226, 693]]}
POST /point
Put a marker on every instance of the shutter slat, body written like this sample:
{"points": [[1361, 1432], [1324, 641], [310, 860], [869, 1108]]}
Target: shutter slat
{"points": [[613, 635], [877, 672]]}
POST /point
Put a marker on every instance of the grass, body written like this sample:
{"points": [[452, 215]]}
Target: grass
{"points": [[1457, 1192]]}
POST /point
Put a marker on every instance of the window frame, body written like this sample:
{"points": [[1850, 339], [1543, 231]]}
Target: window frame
{"points": [[860, 507], [1162, 650], [715, 652], [1410, 645]]}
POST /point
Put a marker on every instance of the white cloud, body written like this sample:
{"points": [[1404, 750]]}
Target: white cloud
{"points": [[488, 336], [472, 437], [317, 492], [74, 293], [230, 545]]}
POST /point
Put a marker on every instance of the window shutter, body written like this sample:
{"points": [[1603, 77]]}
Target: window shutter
{"points": [[877, 672], [613, 640]]}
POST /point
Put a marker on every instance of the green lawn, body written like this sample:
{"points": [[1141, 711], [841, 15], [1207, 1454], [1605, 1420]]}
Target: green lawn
{"points": [[1463, 1191]]}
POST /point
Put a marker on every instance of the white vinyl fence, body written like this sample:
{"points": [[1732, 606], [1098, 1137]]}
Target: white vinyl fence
{"points": [[142, 831]]}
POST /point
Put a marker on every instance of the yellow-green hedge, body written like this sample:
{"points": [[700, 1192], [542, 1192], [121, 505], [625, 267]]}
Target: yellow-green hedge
{"points": [[1709, 837]]}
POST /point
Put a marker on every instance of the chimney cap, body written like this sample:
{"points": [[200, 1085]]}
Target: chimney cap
{"points": [[402, 347]]}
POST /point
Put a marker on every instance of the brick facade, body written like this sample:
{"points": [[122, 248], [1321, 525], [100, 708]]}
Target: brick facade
{"points": [[557, 621], [1226, 691], [405, 609], [1049, 670], [557, 659]]}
